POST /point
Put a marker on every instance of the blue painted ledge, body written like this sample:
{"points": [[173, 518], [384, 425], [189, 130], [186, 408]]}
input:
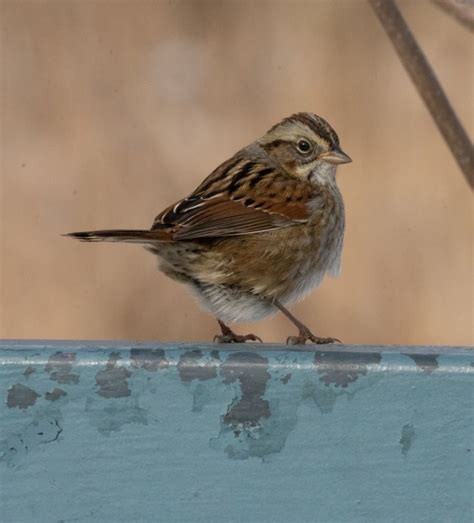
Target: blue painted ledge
{"points": [[109, 432]]}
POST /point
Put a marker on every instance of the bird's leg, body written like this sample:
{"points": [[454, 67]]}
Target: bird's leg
{"points": [[229, 336], [304, 333]]}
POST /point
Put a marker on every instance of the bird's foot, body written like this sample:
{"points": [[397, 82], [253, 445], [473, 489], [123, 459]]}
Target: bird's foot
{"points": [[229, 336], [235, 338], [306, 335]]}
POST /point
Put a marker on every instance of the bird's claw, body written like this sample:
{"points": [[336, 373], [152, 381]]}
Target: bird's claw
{"points": [[235, 338], [305, 336]]}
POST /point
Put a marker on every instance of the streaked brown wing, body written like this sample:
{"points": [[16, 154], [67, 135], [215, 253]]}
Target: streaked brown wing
{"points": [[243, 196], [228, 218]]}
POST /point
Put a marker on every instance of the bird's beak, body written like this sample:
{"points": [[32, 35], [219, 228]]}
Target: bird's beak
{"points": [[336, 156]]}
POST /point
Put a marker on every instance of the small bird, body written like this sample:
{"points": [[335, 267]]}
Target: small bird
{"points": [[261, 230]]}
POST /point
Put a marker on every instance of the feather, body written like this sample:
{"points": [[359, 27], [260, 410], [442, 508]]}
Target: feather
{"points": [[121, 235]]}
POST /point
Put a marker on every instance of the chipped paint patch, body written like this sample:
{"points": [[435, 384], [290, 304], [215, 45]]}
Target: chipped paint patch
{"points": [[426, 362], [254, 427], [55, 394], [251, 370], [112, 381], [341, 369], [148, 359], [193, 365], [21, 397], [60, 366], [407, 438], [285, 379]]}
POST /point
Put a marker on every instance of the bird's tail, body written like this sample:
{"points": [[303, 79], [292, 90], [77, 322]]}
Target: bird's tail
{"points": [[121, 235]]}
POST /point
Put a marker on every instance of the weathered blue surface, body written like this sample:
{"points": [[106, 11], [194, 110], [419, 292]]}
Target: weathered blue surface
{"points": [[145, 432]]}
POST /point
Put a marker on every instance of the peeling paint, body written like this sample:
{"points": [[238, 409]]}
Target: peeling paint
{"points": [[148, 359], [263, 440], [427, 362], [41, 431], [193, 365], [281, 413], [55, 394], [251, 370], [254, 427], [21, 397], [341, 369], [407, 438], [59, 367], [112, 381]]}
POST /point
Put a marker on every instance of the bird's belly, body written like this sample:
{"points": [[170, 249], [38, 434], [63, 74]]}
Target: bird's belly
{"points": [[232, 305], [239, 286]]}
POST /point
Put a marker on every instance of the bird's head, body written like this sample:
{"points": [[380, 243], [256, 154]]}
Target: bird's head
{"points": [[306, 146]]}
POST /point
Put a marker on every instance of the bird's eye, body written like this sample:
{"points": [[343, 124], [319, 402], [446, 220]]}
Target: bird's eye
{"points": [[304, 146]]}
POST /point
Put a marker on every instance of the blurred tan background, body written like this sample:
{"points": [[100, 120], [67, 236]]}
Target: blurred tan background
{"points": [[113, 110]]}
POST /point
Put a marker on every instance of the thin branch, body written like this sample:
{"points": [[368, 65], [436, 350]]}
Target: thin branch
{"points": [[429, 88], [461, 10]]}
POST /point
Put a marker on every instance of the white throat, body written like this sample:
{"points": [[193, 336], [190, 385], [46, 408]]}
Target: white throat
{"points": [[323, 173]]}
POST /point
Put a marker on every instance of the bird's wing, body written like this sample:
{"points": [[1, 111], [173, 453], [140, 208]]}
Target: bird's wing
{"points": [[242, 196]]}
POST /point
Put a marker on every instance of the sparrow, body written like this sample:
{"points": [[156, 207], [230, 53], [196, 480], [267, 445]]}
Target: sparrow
{"points": [[260, 232]]}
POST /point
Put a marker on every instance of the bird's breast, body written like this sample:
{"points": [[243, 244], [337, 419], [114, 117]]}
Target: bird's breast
{"points": [[327, 226]]}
